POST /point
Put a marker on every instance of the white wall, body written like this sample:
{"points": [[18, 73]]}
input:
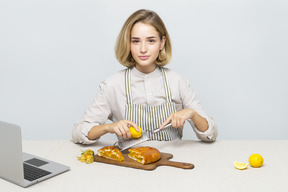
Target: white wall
{"points": [[54, 54]]}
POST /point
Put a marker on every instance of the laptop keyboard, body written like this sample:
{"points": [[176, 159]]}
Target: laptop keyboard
{"points": [[32, 173]]}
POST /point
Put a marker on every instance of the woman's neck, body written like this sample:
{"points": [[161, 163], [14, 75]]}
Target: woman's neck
{"points": [[146, 69]]}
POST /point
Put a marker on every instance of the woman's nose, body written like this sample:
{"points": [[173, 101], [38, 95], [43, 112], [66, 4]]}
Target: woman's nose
{"points": [[143, 48]]}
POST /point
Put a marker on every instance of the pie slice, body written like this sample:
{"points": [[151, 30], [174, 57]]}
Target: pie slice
{"points": [[144, 155], [111, 152]]}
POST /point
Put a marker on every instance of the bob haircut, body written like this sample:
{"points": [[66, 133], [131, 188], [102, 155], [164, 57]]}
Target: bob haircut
{"points": [[122, 47]]}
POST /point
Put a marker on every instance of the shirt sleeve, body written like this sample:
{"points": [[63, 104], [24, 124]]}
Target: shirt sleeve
{"points": [[96, 114], [190, 101]]}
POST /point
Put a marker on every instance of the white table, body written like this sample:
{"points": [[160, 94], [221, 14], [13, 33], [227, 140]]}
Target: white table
{"points": [[214, 169]]}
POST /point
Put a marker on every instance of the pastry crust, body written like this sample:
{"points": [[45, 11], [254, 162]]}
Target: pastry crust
{"points": [[111, 152], [144, 155]]}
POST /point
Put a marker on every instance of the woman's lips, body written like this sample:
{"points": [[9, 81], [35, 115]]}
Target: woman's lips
{"points": [[144, 57]]}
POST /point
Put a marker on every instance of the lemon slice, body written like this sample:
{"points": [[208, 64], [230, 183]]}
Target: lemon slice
{"points": [[240, 165]]}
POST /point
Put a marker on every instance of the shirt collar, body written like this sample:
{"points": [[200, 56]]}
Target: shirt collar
{"points": [[138, 73]]}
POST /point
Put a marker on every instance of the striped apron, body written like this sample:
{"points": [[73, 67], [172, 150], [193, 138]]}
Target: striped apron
{"points": [[151, 117]]}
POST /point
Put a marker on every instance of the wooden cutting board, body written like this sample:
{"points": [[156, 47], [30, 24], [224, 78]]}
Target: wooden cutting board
{"points": [[128, 162]]}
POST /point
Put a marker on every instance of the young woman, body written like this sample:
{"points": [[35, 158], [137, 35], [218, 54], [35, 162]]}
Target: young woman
{"points": [[144, 94]]}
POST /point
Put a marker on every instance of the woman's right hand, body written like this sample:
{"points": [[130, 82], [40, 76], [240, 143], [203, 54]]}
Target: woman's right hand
{"points": [[121, 128]]}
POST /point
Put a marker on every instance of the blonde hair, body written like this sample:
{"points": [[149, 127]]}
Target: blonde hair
{"points": [[122, 47]]}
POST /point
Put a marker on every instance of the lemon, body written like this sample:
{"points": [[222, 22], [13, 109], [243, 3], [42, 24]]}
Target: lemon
{"points": [[256, 160], [134, 133], [240, 165]]}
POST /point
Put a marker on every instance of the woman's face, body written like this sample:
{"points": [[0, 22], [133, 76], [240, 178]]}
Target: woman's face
{"points": [[145, 45]]}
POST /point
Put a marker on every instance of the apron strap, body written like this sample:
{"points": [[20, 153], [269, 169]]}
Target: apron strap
{"points": [[166, 86], [128, 86]]}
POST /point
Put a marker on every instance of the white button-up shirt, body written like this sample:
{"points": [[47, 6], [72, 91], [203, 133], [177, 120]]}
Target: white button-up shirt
{"points": [[147, 89]]}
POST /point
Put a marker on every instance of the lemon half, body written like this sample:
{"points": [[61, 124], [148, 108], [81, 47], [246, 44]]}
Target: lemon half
{"points": [[240, 165], [134, 133]]}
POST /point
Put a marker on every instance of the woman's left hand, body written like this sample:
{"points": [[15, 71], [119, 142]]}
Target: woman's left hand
{"points": [[178, 118]]}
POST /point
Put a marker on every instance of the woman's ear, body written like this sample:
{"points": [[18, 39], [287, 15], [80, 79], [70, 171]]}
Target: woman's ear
{"points": [[163, 40]]}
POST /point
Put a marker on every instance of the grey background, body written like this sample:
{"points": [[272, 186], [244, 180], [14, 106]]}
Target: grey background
{"points": [[54, 54]]}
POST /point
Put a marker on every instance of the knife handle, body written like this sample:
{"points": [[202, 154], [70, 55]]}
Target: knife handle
{"points": [[157, 130]]}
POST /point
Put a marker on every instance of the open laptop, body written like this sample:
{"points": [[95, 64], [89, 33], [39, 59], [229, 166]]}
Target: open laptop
{"points": [[22, 168]]}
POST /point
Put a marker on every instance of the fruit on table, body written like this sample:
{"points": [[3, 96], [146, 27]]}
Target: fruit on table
{"points": [[240, 165], [134, 133], [256, 160], [87, 156], [89, 159]]}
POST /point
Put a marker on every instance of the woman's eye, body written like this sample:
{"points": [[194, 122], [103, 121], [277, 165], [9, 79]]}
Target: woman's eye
{"points": [[151, 41], [135, 41]]}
